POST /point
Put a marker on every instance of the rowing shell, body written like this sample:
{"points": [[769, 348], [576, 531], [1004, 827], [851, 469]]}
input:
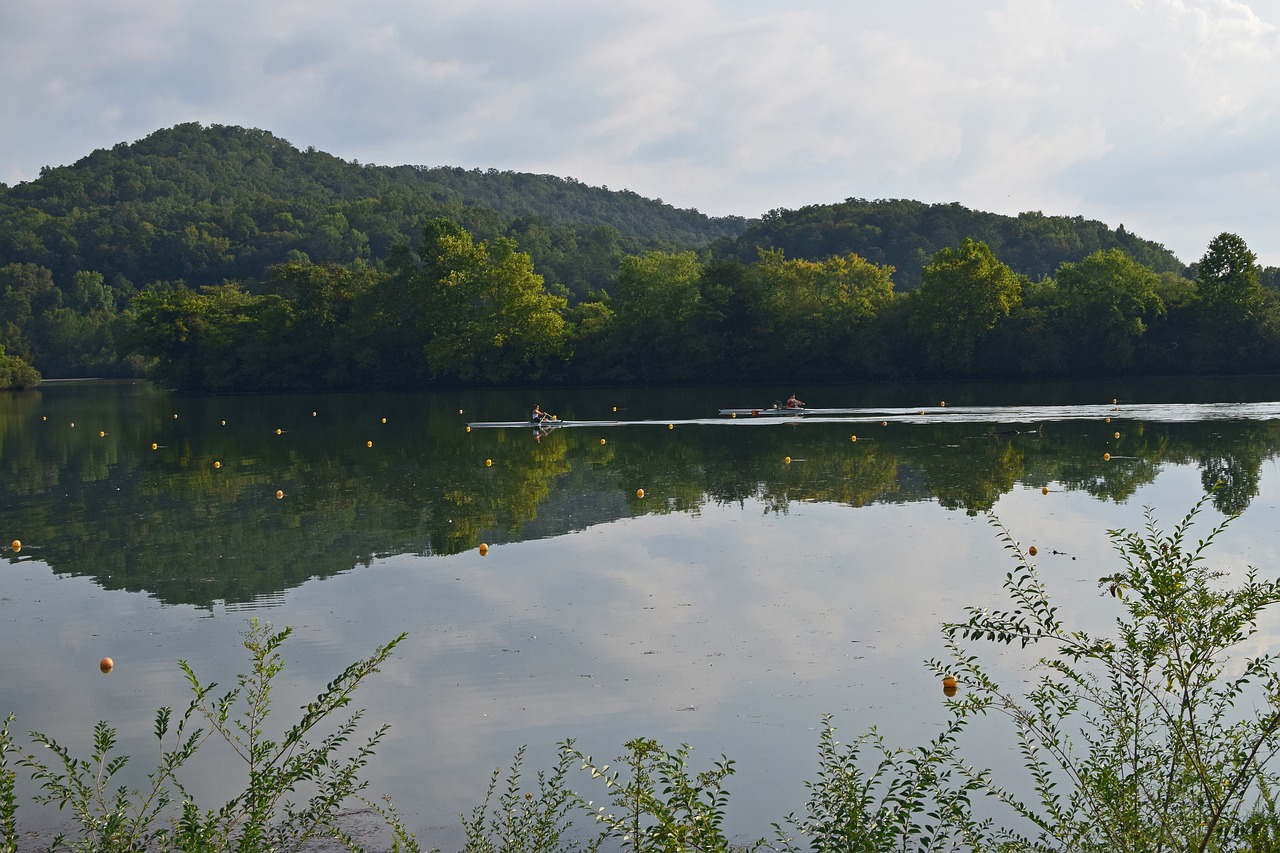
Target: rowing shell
{"points": [[769, 412]]}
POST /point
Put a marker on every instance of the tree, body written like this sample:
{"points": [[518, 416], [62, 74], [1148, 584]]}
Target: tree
{"points": [[1109, 302], [1230, 294], [963, 293], [660, 318]]}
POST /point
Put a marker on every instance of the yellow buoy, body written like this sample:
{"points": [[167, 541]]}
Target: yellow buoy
{"points": [[101, 434], [484, 550], [384, 420], [1117, 435], [922, 411], [950, 681], [733, 414], [1114, 401], [279, 494], [279, 431], [1106, 457], [615, 408], [45, 418], [106, 665], [217, 464], [639, 493], [787, 460], [602, 441], [671, 426], [468, 429], [1032, 550], [853, 438], [1108, 420], [368, 444], [1044, 490], [16, 545], [943, 404], [488, 463], [155, 446]]}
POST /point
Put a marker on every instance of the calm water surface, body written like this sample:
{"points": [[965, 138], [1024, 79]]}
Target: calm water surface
{"points": [[739, 600]]}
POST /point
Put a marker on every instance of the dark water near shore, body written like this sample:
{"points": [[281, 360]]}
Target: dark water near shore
{"points": [[740, 599]]}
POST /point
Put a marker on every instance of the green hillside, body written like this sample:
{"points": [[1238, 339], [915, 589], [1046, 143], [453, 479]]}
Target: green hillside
{"points": [[907, 234]]}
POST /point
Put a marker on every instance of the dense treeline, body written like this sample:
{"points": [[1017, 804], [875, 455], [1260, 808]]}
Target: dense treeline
{"points": [[454, 310], [224, 258]]}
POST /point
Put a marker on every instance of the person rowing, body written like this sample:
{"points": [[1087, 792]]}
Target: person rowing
{"points": [[539, 416], [793, 403]]}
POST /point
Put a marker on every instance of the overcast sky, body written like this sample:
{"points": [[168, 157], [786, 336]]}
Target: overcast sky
{"points": [[1161, 115]]}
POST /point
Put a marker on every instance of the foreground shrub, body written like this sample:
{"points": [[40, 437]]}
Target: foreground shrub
{"points": [[161, 815], [1160, 737]]}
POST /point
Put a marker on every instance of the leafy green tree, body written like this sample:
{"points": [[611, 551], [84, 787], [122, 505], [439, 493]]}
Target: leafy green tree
{"points": [[1230, 293], [963, 294], [818, 311], [1109, 302], [16, 373], [661, 318], [478, 310]]}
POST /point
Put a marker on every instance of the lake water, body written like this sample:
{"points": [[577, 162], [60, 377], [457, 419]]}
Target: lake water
{"points": [[774, 570]]}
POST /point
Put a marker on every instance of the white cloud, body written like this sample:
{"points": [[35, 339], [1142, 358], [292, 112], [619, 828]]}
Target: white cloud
{"points": [[1149, 112]]}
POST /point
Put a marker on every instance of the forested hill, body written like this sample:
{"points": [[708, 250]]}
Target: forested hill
{"points": [[907, 234], [203, 204]]}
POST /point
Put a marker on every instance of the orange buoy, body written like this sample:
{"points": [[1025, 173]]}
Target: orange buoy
{"points": [[484, 550], [488, 463], [1044, 490], [949, 681], [1032, 550], [1106, 457], [943, 404], [787, 460], [106, 665], [16, 545], [1108, 420], [639, 493], [1117, 435], [279, 494]]}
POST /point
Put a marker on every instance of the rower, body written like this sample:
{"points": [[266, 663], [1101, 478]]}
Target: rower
{"points": [[793, 403], [538, 415]]}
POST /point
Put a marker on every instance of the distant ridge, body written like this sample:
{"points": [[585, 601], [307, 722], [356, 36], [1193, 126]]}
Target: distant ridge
{"points": [[204, 204]]}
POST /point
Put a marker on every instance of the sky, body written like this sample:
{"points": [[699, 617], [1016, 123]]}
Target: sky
{"points": [[1159, 115]]}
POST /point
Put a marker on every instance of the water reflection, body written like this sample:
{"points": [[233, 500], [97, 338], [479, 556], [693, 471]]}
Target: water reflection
{"points": [[175, 496], [733, 605]]}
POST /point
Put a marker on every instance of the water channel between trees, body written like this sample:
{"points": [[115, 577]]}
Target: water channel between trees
{"points": [[774, 569]]}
